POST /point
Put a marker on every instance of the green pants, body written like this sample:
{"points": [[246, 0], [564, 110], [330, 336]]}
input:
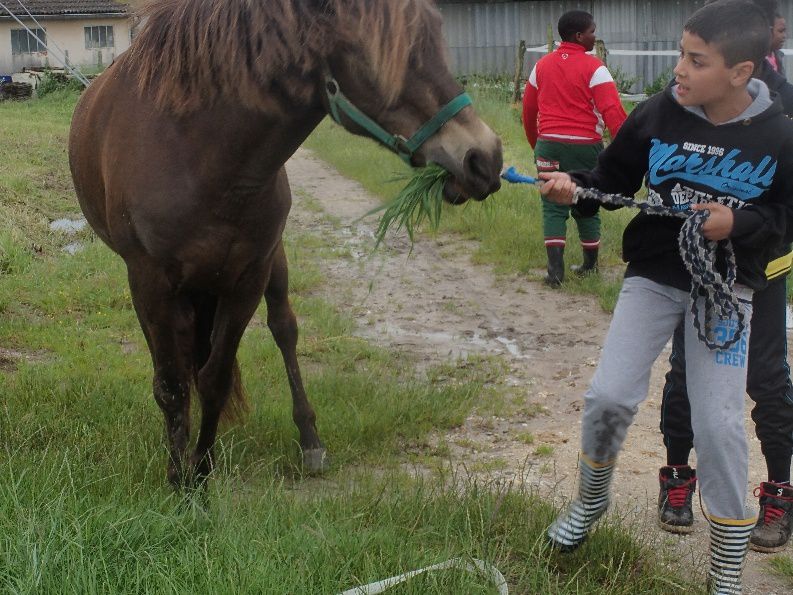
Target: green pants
{"points": [[558, 156]]}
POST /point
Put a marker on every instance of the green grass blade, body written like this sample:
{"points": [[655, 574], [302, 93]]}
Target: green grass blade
{"points": [[420, 199]]}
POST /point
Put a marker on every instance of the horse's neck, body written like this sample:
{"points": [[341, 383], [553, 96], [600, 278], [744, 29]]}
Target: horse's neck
{"points": [[290, 133], [267, 141]]}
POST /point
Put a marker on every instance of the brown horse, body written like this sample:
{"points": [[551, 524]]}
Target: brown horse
{"points": [[177, 153]]}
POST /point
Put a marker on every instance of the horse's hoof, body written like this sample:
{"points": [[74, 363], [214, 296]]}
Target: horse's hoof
{"points": [[315, 460]]}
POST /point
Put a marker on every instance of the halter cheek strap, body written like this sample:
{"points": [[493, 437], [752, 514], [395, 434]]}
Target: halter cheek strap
{"points": [[404, 147]]}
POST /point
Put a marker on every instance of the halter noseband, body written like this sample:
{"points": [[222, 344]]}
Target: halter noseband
{"points": [[404, 147]]}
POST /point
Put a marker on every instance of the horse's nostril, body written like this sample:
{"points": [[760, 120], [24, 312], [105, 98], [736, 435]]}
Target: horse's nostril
{"points": [[476, 165], [480, 173]]}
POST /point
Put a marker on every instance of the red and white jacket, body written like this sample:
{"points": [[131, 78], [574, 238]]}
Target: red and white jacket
{"points": [[574, 94]]}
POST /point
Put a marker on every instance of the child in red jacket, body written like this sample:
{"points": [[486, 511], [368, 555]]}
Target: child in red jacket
{"points": [[573, 94]]}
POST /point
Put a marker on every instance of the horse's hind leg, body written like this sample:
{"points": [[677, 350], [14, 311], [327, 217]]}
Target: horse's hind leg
{"points": [[218, 379], [283, 326], [167, 323]]}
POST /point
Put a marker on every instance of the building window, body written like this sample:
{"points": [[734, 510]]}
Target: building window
{"points": [[98, 37], [23, 42]]}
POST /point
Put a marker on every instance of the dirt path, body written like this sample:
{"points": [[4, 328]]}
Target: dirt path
{"points": [[438, 305]]}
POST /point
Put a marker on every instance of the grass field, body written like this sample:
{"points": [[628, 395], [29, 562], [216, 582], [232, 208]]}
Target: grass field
{"points": [[84, 505]]}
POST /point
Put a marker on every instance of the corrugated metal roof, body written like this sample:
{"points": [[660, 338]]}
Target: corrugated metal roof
{"points": [[64, 7]]}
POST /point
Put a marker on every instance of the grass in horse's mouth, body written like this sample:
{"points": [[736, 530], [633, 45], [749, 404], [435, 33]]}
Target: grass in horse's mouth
{"points": [[420, 199]]}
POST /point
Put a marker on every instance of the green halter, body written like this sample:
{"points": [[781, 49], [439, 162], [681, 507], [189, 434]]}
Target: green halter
{"points": [[404, 147]]}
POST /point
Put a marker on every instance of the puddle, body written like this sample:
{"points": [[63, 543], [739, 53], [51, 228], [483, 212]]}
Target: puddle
{"points": [[73, 248], [511, 345], [459, 346], [68, 226]]}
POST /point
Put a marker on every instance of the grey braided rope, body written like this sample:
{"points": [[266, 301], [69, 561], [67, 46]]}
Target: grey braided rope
{"points": [[699, 257]]}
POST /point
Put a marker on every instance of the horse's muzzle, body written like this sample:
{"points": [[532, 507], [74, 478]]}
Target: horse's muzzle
{"points": [[479, 178]]}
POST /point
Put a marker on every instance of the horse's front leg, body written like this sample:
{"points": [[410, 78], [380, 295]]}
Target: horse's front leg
{"points": [[173, 397], [283, 325], [167, 323]]}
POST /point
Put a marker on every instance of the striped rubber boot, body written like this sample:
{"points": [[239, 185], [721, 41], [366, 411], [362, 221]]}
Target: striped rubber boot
{"points": [[729, 540], [570, 528]]}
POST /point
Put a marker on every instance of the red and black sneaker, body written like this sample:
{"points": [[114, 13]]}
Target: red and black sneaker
{"points": [[772, 531], [678, 484]]}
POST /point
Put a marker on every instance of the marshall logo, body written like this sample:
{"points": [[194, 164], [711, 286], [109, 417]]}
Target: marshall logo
{"points": [[674, 473], [742, 179]]}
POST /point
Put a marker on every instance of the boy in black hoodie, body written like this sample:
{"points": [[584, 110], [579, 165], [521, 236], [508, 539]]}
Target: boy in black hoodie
{"points": [[767, 383], [713, 141]]}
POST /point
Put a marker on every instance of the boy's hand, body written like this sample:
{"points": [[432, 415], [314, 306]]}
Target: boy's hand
{"points": [[718, 225], [558, 187]]}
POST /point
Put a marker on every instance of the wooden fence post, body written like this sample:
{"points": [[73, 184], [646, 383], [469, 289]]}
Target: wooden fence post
{"points": [[518, 70], [601, 51], [549, 32]]}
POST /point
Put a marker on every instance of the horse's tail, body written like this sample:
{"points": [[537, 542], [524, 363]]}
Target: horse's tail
{"points": [[236, 406]]}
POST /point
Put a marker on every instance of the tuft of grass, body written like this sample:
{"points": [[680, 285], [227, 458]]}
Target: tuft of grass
{"points": [[14, 258], [420, 199], [544, 450], [782, 566], [525, 438]]}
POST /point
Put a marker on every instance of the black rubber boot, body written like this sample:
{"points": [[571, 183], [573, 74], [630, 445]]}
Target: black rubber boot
{"points": [[555, 265], [590, 265]]}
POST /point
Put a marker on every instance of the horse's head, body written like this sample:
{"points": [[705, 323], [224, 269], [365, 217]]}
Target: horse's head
{"points": [[393, 84]]}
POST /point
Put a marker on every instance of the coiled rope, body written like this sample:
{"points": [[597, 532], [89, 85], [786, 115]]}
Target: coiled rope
{"points": [[699, 257]]}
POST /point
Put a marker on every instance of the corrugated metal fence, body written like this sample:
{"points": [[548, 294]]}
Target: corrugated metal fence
{"points": [[483, 37]]}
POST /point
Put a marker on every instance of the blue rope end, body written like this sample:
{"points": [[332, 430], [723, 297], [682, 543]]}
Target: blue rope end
{"points": [[512, 175]]}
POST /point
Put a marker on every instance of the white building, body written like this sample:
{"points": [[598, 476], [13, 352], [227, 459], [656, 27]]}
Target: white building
{"points": [[90, 33]]}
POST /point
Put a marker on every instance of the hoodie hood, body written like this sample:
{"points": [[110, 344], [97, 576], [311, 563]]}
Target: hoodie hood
{"points": [[758, 91]]}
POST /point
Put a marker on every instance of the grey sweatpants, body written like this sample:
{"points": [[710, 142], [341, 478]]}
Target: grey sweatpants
{"points": [[644, 319]]}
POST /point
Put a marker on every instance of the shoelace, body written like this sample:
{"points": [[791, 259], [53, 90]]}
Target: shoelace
{"points": [[676, 495], [771, 513]]}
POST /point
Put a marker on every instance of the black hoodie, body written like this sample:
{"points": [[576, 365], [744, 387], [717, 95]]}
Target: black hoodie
{"points": [[778, 84], [685, 159]]}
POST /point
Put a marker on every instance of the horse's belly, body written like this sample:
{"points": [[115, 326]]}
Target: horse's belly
{"points": [[212, 258]]}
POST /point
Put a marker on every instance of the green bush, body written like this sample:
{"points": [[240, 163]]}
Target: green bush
{"points": [[52, 81], [660, 82], [623, 81]]}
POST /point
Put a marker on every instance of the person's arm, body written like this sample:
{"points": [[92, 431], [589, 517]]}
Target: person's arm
{"points": [[607, 99], [720, 222], [558, 188], [757, 226], [620, 167], [530, 108]]}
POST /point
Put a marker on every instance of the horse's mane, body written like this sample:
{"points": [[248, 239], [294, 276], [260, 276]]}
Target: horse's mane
{"points": [[189, 53]]}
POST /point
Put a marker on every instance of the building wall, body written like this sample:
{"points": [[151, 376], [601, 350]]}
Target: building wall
{"points": [[69, 36], [483, 36]]}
